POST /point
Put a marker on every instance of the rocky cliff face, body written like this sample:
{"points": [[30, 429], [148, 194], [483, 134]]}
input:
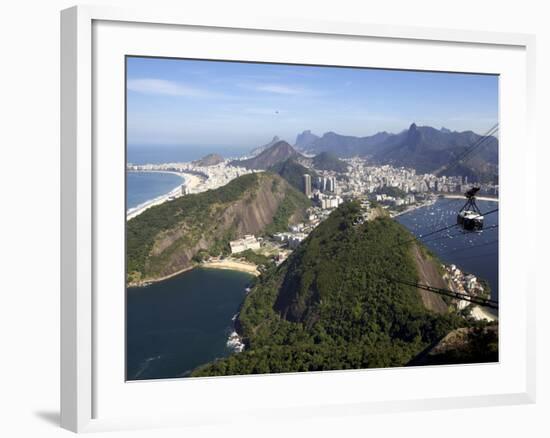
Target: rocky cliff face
{"points": [[207, 222], [463, 345]]}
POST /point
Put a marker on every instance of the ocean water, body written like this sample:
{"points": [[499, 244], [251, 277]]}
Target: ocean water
{"points": [[475, 253], [178, 324], [144, 186], [155, 154]]}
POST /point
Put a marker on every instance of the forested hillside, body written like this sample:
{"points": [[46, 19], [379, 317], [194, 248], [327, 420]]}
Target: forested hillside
{"points": [[169, 237], [331, 305]]}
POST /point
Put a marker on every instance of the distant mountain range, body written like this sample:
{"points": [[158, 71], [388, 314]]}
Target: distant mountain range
{"points": [[423, 148], [340, 145], [305, 140], [281, 152]]}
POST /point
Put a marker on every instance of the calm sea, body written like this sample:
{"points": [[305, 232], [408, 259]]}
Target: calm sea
{"points": [[178, 324], [144, 186], [155, 154], [475, 253]]}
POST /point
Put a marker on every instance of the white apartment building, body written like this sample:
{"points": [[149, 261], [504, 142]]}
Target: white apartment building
{"points": [[249, 241]]}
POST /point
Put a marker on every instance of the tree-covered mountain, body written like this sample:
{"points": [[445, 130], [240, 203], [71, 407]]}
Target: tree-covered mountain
{"points": [[427, 149], [293, 172], [341, 145], [423, 148], [305, 140], [276, 153], [332, 304], [169, 238], [329, 161]]}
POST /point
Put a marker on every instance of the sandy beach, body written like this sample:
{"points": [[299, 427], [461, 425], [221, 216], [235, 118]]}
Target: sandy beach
{"points": [[191, 182], [232, 265], [480, 313]]}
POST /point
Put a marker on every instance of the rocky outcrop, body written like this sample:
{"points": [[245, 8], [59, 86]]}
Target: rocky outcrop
{"points": [[428, 273], [207, 222], [463, 345]]}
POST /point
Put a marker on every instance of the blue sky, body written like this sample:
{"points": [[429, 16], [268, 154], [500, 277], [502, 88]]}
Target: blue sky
{"points": [[184, 102]]}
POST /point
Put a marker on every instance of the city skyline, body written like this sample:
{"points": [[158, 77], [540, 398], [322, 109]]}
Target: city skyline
{"points": [[184, 102]]}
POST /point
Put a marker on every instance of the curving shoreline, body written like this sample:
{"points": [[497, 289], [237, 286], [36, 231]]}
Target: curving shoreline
{"points": [[191, 182], [232, 265]]}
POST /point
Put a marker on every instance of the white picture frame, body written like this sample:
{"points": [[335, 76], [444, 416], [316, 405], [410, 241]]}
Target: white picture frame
{"points": [[84, 379]]}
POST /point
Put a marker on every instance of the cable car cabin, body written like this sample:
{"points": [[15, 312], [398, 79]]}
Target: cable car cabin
{"points": [[470, 220], [470, 217]]}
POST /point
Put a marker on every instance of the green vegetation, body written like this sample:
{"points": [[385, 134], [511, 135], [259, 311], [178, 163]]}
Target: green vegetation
{"points": [[332, 304], [196, 210], [257, 259], [177, 234], [477, 344], [329, 161], [293, 172], [286, 210]]}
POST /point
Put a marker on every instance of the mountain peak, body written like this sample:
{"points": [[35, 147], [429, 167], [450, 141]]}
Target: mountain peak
{"points": [[413, 127], [260, 149], [275, 153], [305, 139]]}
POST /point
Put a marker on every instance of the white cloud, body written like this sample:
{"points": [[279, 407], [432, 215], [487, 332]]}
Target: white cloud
{"points": [[279, 89], [164, 87], [274, 88]]}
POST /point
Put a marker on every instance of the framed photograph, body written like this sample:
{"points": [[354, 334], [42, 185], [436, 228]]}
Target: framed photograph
{"points": [[277, 217]]}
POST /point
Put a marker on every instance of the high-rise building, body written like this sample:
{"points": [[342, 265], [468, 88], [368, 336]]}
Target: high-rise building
{"points": [[319, 183], [331, 184], [307, 185], [323, 187]]}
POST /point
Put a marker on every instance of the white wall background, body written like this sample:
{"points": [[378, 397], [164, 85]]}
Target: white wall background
{"points": [[29, 215]]}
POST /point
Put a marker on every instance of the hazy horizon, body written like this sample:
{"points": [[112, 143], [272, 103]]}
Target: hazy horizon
{"points": [[179, 103]]}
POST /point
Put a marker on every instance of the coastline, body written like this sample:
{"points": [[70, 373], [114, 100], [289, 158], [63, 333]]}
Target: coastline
{"points": [[480, 313], [156, 280], [191, 182], [230, 265], [441, 196], [479, 198], [414, 207]]}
